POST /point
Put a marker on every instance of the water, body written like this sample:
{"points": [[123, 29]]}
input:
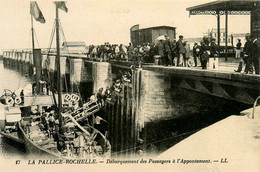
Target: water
{"points": [[11, 80], [171, 131]]}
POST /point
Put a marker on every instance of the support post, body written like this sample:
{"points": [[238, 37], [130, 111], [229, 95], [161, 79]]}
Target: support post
{"points": [[218, 27], [226, 37]]}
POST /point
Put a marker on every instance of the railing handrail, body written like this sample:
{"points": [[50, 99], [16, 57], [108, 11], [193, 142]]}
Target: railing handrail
{"points": [[253, 112]]}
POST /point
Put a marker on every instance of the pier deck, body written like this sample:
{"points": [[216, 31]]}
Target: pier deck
{"points": [[235, 140]]}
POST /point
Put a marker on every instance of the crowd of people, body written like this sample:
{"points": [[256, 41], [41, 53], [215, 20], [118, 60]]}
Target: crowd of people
{"points": [[111, 91], [169, 52], [165, 52], [121, 52], [249, 56], [172, 53]]}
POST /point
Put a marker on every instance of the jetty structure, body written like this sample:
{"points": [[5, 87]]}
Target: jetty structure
{"points": [[157, 99]]}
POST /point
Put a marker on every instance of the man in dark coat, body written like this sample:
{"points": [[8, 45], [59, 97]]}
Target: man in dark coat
{"points": [[214, 52], [205, 51], [214, 49], [256, 55], [196, 53], [152, 53], [180, 50], [168, 46], [248, 49], [130, 51], [160, 50], [238, 49]]}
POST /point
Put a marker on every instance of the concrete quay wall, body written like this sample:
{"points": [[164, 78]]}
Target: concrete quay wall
{"points": [[152, 105], [77, 73]]}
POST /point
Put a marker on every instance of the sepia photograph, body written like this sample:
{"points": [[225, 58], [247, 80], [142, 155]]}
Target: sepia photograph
{"points": [[130, 85]]}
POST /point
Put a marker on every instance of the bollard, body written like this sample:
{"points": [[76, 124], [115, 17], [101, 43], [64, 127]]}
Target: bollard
{"points": [[216, 62], [211, 63], [157, 59]]}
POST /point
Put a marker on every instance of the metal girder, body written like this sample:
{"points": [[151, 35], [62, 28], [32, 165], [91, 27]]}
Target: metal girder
{"points": [[200, 87], [242, 96], [219, 90], [198, 12]]}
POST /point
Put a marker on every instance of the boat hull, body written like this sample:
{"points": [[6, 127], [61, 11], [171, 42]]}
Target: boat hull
{"points": [[12, 136], [32, 149]]}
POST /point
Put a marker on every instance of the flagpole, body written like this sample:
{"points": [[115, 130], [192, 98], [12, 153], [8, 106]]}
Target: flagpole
{"points": [[58, 68], [32, 32]]}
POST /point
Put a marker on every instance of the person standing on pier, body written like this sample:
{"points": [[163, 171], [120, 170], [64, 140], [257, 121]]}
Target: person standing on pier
{"points": [[196, 52], [187, 61], [130, 51], [117, 53], [168, 46], [248, 49], [152, 53], [160, 50], [238, 49], [204, 52], [214, 52], [256, 55], [180, 50]]}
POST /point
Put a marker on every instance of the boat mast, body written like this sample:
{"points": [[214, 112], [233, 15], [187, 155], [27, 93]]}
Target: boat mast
{"points": [[36, 62], [32, 32], [58, 68]]}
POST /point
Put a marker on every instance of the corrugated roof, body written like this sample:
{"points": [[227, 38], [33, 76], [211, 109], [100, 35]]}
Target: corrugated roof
{"points": [[157, 27], [226, 5], [74, 44]]}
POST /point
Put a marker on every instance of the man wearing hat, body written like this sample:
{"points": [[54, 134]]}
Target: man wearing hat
{"points": [[248, 49], [256, 55], [204, 52], [160, 50], [168, 46], [196, 53], [214, 52], [238, 49], [180, 49]]}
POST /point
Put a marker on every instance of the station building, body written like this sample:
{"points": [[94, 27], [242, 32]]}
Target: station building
{"points": [[139, 35]]}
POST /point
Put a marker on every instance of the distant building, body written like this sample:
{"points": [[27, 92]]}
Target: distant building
{"points": [[139, 36], [232, 38], [191, 41], [240, 36], [75, 47]]}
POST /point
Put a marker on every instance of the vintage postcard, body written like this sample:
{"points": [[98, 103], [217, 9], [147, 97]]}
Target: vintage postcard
{"points": [[110, 85]]}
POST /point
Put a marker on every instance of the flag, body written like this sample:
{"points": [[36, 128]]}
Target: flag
{"points": [[36, 12], [61, 5]]}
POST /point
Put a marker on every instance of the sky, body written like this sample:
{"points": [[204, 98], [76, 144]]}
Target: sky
{"points": [[99, 21]]}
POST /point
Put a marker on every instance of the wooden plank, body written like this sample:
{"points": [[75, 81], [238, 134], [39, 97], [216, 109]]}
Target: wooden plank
{"points": [[144, 139], [137, 94], [117, 124], [133, 115], [122, 124], [107, 112], [128, 99], [112, 127]]}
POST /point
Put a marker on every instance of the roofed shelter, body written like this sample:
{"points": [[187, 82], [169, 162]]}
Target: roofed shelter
{"points": [[143, 35], [74, 47], [231, 7]]}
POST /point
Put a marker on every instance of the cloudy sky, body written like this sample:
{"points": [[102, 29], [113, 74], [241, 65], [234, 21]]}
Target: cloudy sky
{"points": [[99, 21]]}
